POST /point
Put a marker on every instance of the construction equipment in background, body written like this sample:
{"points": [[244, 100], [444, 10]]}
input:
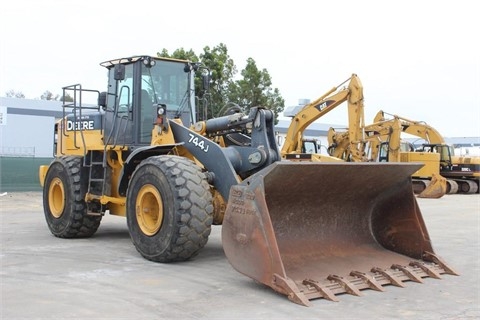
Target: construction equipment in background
{"points": [[306, 229], [294, 149], [384, 144], [462, 172]]}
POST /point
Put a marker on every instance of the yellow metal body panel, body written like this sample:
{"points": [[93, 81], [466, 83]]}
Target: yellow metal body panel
{"points": [[429, 159], [42, 173], [78, 142]]}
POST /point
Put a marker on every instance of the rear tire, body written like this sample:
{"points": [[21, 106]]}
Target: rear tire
{"points": [[169, 209], [64, 200]]}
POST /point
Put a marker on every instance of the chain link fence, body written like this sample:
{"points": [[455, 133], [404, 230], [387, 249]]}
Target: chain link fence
{"points": [[17, 151]]}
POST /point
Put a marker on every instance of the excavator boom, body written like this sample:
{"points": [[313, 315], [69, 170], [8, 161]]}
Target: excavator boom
{"points": [[320, 107]]}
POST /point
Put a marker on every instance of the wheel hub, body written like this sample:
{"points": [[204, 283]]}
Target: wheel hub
{"points": [[149, 210], [56, 197]]}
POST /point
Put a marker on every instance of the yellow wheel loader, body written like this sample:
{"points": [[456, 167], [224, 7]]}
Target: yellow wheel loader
{"points": [[308, 230]]}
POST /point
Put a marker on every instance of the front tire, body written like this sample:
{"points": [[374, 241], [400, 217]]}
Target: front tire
{"points": [[64, 200], [169, 209]]}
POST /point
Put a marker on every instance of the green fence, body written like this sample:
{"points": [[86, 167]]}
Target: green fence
{"points": [[20, 173]]}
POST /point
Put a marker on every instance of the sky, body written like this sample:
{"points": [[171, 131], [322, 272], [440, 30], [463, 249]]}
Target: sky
{"points": [[416, 59]]}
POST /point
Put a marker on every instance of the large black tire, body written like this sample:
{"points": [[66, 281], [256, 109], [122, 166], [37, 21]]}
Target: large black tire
{"points": [[169, 209], [64, 199]]}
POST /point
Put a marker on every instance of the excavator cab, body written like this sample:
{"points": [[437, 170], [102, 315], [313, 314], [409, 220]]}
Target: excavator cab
{"points": [[445, 151]]}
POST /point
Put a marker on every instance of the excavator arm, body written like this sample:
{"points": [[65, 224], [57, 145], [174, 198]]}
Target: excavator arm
{"points": [[461, 176], [390, 131], [386, 133], [417, 128], [320, 107], [383, 130], [424, 131]]}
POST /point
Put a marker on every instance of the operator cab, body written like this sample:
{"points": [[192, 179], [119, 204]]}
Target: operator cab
{"points": [[136, 87], [446, 153], [383, 155]]}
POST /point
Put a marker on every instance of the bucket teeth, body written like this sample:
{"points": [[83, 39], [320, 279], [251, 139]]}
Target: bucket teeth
{"points": [[369, 280], [426, 268], [325, 292], [396, 281], [428, 256], [376, 279], [409, 273], [346, 285]]}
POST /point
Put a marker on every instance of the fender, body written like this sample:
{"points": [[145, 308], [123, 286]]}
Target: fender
{"points": [[136, 157]]}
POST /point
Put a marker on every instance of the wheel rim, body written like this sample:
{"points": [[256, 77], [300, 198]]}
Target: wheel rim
{"points": [[149, 210], [56, 197]]}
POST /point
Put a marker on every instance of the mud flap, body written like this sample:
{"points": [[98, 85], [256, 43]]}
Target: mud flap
{"points": [[314, 230]]}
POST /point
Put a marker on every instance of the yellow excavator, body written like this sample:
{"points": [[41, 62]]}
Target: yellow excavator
{"points": [[350, 145], [384, 144], [307, 230], [462, 173], [294, 146]]}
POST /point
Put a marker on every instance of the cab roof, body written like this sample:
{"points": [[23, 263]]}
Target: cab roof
{"points": [[111, 63]]}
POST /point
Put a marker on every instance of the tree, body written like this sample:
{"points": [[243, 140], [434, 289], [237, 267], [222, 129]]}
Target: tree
{"points": [[14, 94], [66, 98], [253, 90], [48, 95], [222, 70]]}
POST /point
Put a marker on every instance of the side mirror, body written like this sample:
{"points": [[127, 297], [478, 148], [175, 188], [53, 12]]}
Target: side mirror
{"points": [[206, 78], [119, 72], [102, 100]]}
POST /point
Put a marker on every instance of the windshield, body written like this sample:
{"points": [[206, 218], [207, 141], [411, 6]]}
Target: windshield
{"points": [[167, 83], [446, 152]]}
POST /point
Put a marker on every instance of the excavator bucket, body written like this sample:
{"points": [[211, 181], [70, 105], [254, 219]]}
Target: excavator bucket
{"points": [[314, 230], [435, 188]]}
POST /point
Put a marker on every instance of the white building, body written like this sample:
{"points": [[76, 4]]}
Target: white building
{"points": [[26, 126]]}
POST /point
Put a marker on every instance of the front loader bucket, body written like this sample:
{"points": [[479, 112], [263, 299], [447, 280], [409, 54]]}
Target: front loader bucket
{"points": [[315, 230]]}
